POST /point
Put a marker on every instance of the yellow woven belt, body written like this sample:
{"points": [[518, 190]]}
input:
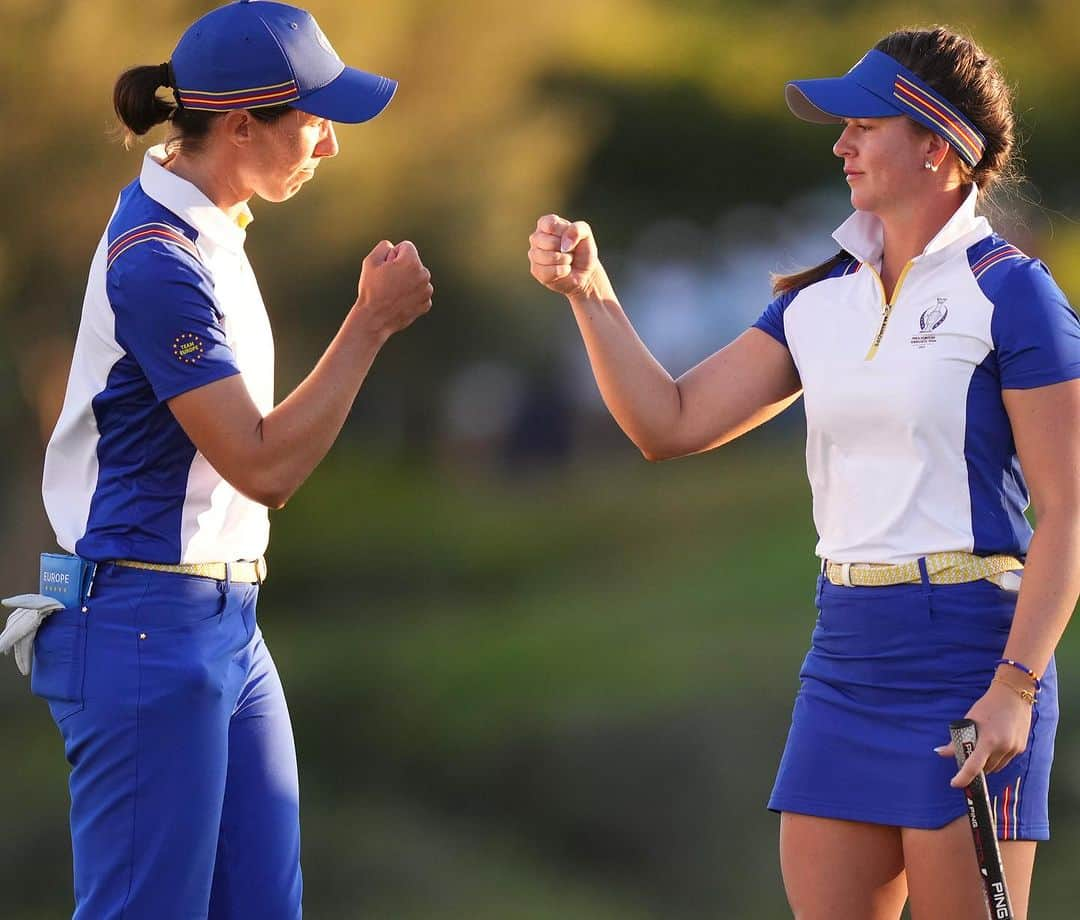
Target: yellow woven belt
{"points": [[943, 569], [244, 572]]}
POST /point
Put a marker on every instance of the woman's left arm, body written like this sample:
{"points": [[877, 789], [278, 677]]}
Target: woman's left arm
{"points": [[1046, 427]]}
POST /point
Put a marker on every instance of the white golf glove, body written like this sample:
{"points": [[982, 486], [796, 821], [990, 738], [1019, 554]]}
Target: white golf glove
{"points": [[30, 612]]}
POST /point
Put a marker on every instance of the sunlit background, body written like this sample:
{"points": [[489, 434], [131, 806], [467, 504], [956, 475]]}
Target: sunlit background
{"points": [[531, 675]]}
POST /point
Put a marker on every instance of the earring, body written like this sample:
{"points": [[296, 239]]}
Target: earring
{"points": [[930, 166]]}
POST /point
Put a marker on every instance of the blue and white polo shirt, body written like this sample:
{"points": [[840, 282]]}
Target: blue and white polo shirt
{"points": [[171, 304], [909, 450]]}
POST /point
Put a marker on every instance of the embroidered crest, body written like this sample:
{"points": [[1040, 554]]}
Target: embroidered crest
{"points": [[188, 347], [930, 320], [935, 316]]}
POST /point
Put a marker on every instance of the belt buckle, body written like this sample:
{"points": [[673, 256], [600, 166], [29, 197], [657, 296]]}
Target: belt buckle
{"points": [[845, 575]]}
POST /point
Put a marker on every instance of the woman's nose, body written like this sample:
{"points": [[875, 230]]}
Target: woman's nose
{"points": [[328, 145], [843, 148]]}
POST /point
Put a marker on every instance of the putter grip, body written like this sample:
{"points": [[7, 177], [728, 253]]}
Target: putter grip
{"points": [[981, 819], [963, 738]]}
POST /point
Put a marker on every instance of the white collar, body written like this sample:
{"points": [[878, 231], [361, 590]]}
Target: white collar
{"points": [[864, 237], [189, 204]]}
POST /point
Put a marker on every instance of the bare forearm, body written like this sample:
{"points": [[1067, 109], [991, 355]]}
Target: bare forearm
{"points": [[298, 433], [267, 457], [636, 389], [1049, 589], [737, 388]]}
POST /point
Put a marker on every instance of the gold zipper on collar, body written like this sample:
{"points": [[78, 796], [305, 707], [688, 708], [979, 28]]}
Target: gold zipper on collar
{"points": [[886, 306]]}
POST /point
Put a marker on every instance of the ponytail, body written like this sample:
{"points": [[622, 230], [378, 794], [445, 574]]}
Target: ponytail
{"points": [[137, 104], [781, 284], [140, 108]]}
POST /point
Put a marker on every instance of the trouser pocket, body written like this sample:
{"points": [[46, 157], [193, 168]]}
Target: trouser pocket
{"points": [[60, 663]]}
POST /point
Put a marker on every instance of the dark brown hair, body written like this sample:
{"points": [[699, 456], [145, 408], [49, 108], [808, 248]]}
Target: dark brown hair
{"points": [[958, 69], [140, 108]]}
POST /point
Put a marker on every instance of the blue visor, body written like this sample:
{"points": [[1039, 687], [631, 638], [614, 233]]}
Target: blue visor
{"points": [[880, 87]]}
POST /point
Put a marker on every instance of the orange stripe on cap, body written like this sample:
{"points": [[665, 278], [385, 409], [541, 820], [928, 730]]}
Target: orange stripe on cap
{"points": [[254, 97], [234, 92], [970, 155], [949, 115], [196, 102]]}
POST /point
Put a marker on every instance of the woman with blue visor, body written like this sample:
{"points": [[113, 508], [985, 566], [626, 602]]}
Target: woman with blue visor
{"points": [[940, 370], [168, 452]]}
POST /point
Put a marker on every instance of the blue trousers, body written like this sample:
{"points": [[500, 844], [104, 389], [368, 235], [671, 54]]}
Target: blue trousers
{"points": [[184, 792]]}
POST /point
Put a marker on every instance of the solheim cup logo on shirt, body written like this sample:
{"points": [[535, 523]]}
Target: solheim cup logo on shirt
{"points": [[935, 316], [188, 347], [931, 318]]}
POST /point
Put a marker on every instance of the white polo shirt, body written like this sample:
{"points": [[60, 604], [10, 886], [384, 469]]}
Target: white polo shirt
{"points": [[909, 450], [171, 304]]}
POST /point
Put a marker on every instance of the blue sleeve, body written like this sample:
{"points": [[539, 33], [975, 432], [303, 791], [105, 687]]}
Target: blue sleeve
{"points": [[1035, 332], [168, 319], [771, 320]]}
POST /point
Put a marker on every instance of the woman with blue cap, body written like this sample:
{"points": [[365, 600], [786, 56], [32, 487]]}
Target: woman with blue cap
{"points": [[168, 452], [940, 369]]}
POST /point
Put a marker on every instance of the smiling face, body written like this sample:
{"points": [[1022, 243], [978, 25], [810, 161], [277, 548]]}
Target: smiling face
{"points": [[285, 153], [884, 161]]}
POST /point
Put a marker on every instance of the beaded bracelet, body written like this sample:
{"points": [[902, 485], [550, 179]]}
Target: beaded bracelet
{"points": [[1028, 696], [1021, 667]]}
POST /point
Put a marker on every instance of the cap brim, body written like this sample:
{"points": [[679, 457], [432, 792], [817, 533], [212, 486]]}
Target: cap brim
{"points": [[351, 97], [827, 101]]}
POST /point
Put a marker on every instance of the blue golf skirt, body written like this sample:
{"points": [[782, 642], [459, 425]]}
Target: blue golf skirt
{"points": [[888, 669]]}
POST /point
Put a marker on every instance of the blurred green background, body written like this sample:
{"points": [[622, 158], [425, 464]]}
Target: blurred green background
{"points": [[531, 675]]}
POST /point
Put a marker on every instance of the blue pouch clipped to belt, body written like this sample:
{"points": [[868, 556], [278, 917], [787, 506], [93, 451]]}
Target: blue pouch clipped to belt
{"points": [[65, 581], [66, 578]]}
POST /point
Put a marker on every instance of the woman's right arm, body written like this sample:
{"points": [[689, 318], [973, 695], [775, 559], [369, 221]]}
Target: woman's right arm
{"points": [[268, 457], [738, 388]]}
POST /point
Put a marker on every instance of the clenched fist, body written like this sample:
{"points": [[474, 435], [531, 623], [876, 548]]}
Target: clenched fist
{"points": [[562, 255], [394, 287]]}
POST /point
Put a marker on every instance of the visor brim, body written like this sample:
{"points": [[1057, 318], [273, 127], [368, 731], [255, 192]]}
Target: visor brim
{"points": [[828, 101], [352, 97]]}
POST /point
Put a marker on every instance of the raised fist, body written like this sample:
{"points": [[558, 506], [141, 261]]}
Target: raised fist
{"points": [[562, 255], [394, 287]]}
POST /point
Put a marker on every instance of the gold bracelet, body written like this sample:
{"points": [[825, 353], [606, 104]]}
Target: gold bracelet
{"points": [[1012, 667], [1028, 696]]}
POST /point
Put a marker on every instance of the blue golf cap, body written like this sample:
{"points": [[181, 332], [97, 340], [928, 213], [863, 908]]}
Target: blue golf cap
{"points": [[879, 86], [256, 53]]}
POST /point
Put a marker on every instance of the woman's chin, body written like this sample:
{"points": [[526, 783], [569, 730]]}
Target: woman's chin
{"points": [[860, 201], [284, 193]]}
